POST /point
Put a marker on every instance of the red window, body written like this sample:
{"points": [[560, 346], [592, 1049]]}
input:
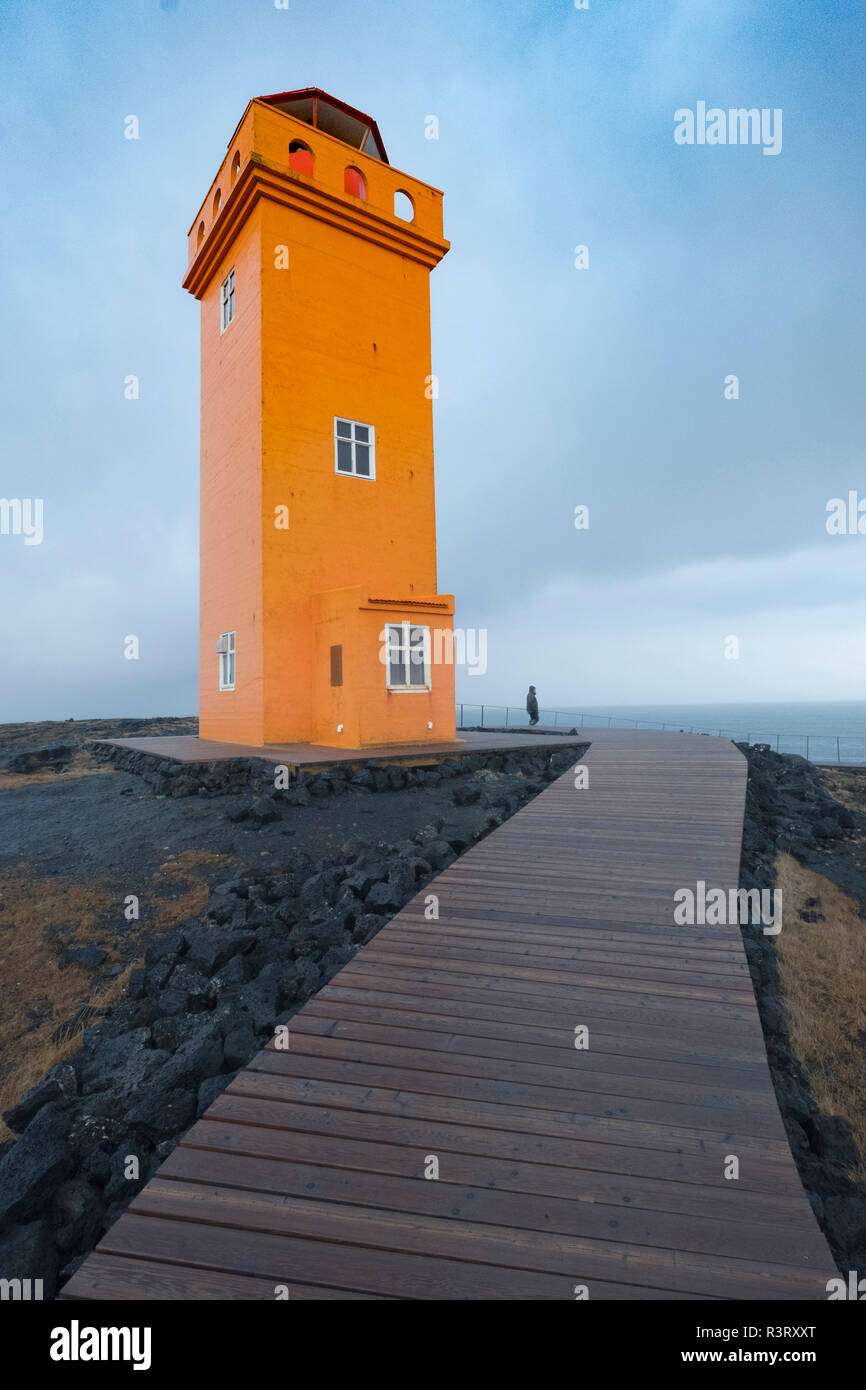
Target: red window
{"points": [[355, 184], [301, 158]]}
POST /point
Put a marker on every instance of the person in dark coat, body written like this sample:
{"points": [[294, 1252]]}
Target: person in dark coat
{"points": [[532, 705]]}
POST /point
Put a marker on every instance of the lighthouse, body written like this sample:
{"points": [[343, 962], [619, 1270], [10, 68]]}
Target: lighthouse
{"points": [[320, 620]]}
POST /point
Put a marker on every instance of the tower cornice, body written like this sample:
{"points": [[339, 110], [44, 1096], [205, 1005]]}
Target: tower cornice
{"points": [[259, 180]]}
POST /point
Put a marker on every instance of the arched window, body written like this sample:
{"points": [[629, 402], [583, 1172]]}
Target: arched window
{"points": [[301, 158], [236, 165], [355, 183], [217, 200], [404, 208], [200, 238]]}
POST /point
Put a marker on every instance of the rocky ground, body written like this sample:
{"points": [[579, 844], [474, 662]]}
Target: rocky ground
{"points": [[247, 899], [52, 750], [805, 832]]}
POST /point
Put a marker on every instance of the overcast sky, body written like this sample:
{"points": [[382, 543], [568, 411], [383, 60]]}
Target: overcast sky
{"points": [[559, 387]]}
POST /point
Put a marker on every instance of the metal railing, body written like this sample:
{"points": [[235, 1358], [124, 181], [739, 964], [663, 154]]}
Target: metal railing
{"points": [[819, 748]]}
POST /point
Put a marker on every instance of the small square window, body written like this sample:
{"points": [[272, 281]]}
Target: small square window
{"points": [[408, 656], [227, 301], [354, 448], [226, 653]]}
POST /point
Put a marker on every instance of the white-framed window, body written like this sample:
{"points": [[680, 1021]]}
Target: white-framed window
{"points": [[227, 300], [226, 652], [354, 448], [408, 656]]}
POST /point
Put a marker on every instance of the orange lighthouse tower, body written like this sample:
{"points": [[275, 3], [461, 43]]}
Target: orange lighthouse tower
{"points": [[320, 621]]}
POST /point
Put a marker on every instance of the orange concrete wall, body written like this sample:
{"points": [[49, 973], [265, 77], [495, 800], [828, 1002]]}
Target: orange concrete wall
{"points": [[368, 711], [345, 331], [398, 716], [334, 623], [231, 532]]}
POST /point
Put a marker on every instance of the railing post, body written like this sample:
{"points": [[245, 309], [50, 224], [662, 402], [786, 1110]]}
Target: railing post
{"points": [[807, 748], [461, 716], [838, 754], [506, 716], [555, 717], [482, 716], [778, 736]]}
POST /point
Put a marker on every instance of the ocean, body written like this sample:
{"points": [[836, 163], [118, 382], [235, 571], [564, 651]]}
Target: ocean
{"points": [[826, 731]]}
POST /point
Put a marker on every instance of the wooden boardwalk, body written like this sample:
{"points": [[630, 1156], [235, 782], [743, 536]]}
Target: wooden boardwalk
{"points": [[453, 1040]]}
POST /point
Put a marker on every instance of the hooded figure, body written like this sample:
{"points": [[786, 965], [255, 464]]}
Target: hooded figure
{"points": [[532, 705]]}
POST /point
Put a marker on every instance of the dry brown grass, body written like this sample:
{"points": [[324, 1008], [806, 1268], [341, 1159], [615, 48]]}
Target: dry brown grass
{"points": [[36, 996], [81, 764], [847, 785], [822, 976], [24, 1065], [184, 874]]}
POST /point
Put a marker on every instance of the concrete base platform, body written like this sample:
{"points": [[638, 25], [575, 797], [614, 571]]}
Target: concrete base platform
{"points": [[187, 748]]}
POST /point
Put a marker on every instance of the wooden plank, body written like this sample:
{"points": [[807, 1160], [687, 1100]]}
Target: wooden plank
{"points": [[118, 1277], [635, 1029], [563, 1083], [406, 1012], [739, 1238], [684, 984], [684, 1011], [557, 1051], [595, 1115], [442, 1123], [335, 1144], [512, 1248], [366, 1269]]}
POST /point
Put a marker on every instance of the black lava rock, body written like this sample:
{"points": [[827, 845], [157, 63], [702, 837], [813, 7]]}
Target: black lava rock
{"points": [[58, 1084], [456, 837], [89, 957], [76, 1212], [28, 1252], [35, 1166], [208, 1092], [163, 1113], [240, 1045], [466, 796]]}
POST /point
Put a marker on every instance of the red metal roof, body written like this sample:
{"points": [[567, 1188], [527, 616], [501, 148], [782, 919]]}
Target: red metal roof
{"points": [[317, 94]]}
